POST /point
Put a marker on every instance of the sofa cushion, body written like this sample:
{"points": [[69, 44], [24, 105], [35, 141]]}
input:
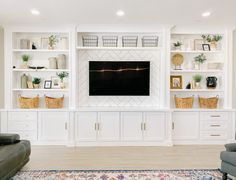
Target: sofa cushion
{"points": [[231, 147], [229, 157], [6, 139], [13, 157]]}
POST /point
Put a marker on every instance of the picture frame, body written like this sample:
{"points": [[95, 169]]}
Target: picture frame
{"points": [[44, 42], [48, 84], [63, 42], [206, 47], [175, 82], [55, 82], [198, 44], [30, 85], [215, 66]]}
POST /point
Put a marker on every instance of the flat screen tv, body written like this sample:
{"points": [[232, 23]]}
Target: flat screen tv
{"points": [[119, 78]]}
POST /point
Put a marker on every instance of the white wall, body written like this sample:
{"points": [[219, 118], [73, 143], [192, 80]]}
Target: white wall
{"points": [[234, 69], [1, 67]]}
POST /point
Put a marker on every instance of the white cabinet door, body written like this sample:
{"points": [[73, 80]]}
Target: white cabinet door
{"points": [[132, 126], [86, 126], [186, 125], [53, 126], [109, 126], [154, 126]]}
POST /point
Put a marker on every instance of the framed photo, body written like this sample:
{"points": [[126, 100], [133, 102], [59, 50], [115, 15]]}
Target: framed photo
{"points": [[198, 44], [55, 82], [63, 42], [48, 84], [30, 85], [176, 82], [206, 47], [44, 42]]}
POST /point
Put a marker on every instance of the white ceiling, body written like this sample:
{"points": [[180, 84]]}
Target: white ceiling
{"points": [[140, 12]]}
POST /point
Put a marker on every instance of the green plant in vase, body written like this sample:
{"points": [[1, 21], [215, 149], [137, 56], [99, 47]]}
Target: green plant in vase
{"points": [[36, 82], [212, 39], [25, 58], [200, 59], [177, 45], [52, 40], [62, 76], [197, 79]]}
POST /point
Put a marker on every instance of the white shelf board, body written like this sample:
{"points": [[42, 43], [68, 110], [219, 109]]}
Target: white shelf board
{"points": [[40, 70], [195, 52], [41, 50], [196, 90], [119, 48], [196, 71], [53, 90]]}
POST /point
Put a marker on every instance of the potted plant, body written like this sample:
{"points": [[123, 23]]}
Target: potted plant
{"points": [[212, 39], [177, 45], [197, 79], [200, 59], [25, 58], [36, 82], [52, 40], [62, 75]]}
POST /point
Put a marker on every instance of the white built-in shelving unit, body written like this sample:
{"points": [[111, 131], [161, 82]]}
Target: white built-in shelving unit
{"points": [[187, 70], [38, 57]]}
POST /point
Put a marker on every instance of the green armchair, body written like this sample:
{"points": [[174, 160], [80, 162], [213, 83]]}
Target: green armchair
{"points": [[14, 154], [228, 160]]}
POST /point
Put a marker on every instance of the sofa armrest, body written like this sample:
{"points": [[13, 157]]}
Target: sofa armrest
{"points": [[231, 147], [6, 139]]}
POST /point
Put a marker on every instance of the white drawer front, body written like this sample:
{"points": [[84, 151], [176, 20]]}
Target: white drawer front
{"points": [[22, 126], [26, 135], [214, 135], [214, 125], [206, 116], [22, 116]]}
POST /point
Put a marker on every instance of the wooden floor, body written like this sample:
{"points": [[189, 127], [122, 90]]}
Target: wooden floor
{"points": [[176, 157]]}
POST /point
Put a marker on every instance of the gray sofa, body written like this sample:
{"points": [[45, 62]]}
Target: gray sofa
{"points": [[14, 154], [228, 163]]}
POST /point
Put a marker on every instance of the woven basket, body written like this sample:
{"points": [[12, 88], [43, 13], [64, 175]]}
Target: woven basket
{"points": [[54, 103], [28, 103], [184, 103], [208, 103]]}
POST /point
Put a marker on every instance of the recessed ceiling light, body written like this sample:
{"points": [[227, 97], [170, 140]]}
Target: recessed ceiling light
{"points": [[206, 14], [120, 13], [34, 11]]}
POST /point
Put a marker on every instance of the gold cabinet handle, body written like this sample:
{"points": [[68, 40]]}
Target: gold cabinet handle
{"points": [[95, 126], [173, 125], [215, 116], [98, 126], [215, 135], [215, 125], [66, 126], [144, 126]]}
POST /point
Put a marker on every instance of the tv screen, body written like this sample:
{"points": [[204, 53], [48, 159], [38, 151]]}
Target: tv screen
{"points": [[119, 78]]}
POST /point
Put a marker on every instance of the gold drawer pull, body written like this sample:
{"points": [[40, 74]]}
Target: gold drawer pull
{"points": [[215, 125], [215, 116], [215, 135]]}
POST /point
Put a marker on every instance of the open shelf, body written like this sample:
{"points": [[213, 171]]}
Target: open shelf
{"points": [[53, 90], [196, 90], [196, 71], [40, 70], [195, 52], [42, 50], [119, 48]]}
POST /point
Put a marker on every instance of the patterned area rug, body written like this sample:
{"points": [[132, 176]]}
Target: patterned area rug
{"points": [[119, 175]]}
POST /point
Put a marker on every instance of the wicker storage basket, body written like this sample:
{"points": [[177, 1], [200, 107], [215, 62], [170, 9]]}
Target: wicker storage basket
{"points": [[184, 103], [54, 103], [28, 103], [209, 103]]}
